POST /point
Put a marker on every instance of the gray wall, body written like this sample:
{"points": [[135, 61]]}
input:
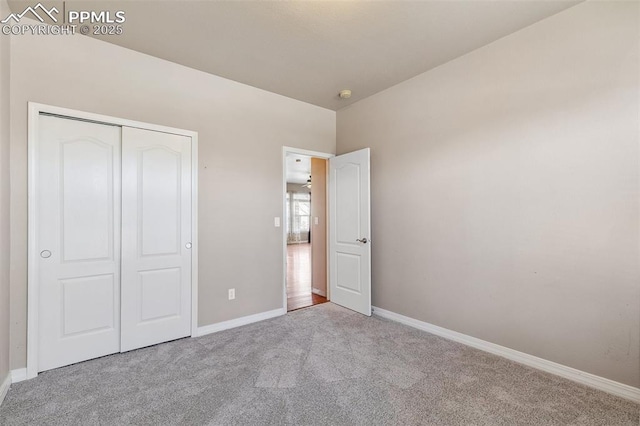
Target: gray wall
{"points": [[241, 129], [4, 198], [505, 190]]}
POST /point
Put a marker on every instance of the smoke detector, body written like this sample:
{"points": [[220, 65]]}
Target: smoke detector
{"points": [[345, 94]]}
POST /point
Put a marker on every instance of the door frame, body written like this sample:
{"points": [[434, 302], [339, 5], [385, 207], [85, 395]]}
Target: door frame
{"points": [[34, 111], [290, 150]]}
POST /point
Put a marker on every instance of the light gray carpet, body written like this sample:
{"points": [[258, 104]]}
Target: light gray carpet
{"points": [[319, 366]]}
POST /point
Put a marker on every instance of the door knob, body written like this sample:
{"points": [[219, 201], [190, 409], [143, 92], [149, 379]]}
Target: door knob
{"points": [[45, 254], [363, 241], [188, 245]]}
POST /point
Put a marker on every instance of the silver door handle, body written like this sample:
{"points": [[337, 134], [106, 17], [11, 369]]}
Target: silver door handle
{"points": [[188, 245], [45, 254], [363, 241]]}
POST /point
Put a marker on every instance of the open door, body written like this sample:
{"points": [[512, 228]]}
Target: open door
{"points": [[350, 231]]}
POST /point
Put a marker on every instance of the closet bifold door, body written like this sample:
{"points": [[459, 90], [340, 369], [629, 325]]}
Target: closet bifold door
{"points": [[156, 238], [77, 198]]}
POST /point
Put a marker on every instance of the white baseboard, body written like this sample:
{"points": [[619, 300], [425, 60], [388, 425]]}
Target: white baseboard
{"points": [[4, 387], [582, 377], [226, 325], [319, 292], [18, 375]]}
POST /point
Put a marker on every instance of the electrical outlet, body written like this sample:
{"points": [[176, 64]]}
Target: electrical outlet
{"points": [[232, 293]]}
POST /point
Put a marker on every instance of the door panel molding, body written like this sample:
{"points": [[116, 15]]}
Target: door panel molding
{"points": [[34, 113]]}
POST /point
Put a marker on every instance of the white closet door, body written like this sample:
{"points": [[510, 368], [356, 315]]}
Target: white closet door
{"points": [[78, 239], [156, 237]]}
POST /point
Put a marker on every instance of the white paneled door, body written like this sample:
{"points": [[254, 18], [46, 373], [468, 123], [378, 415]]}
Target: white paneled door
{"points": [[113, 225], [78, 222], [350, 231], [156, 237]]}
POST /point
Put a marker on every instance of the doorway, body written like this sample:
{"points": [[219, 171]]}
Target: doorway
{"points": [[347, 220], [305, 230]]}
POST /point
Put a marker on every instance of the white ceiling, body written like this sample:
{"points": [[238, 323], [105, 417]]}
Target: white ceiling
{"points": [[298, 171], [310, 50]]}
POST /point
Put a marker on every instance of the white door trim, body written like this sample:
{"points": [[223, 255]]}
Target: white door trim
{"points": [[34, 111], [289, 150]]}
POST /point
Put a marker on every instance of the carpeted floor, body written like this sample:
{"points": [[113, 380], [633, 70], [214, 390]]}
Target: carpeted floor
{"points": [[323, 365]]}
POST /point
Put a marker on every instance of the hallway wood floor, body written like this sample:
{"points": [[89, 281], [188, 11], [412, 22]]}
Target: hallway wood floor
{"points": [[299, 293]]}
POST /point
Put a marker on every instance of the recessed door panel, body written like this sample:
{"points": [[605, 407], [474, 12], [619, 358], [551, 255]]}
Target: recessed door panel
{"points": [[348, 272], [87, 203], [78, 227], [347, 184], [156, 237], [160, 294], [160, 186], [88, 305]]}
